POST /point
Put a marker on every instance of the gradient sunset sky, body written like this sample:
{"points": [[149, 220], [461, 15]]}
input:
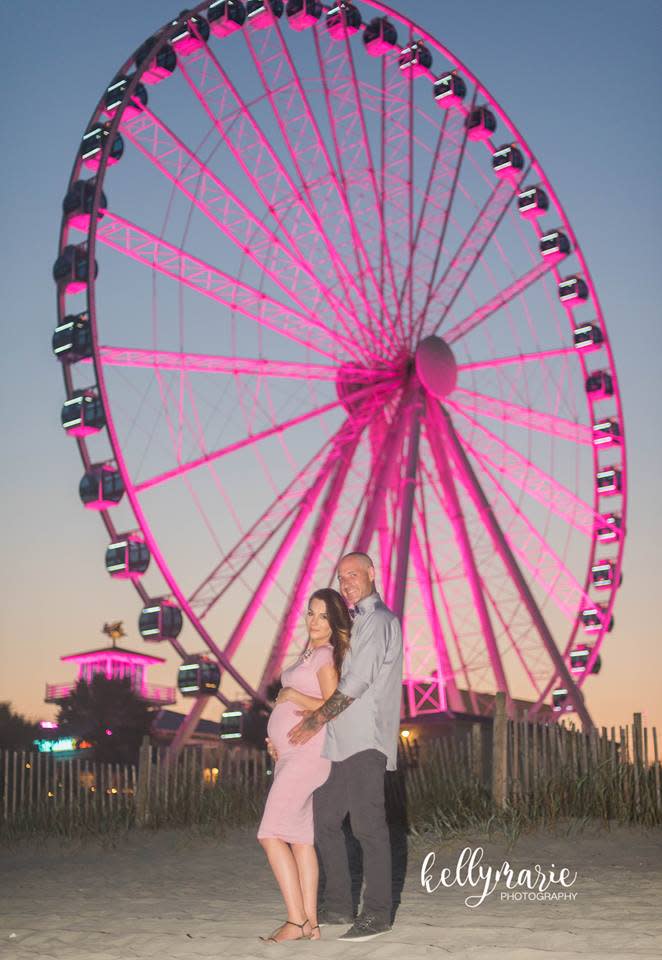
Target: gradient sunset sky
{"points": [[580, 80]]}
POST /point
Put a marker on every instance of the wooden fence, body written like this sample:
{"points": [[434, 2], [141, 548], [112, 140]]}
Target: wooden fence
{"points": [[540, 770]]}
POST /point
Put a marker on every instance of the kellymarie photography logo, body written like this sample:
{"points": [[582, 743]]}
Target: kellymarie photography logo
{"points": [[529, 883]]}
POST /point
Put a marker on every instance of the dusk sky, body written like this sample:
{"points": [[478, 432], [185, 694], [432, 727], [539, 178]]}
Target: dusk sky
{"points": [[580, 80]]}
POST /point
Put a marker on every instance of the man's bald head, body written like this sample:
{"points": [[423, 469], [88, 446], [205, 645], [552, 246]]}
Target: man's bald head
{"points": [[356, 577]]}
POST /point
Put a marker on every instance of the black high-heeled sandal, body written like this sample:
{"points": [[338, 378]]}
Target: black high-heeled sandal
{"points": [[313, 927], [294, 939]]}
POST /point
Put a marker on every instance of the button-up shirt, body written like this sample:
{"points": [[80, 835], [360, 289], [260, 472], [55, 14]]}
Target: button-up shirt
{"points": [[372, 675]]}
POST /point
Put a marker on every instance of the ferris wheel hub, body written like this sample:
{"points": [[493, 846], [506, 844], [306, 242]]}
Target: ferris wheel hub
{"points": [[436, 366]]}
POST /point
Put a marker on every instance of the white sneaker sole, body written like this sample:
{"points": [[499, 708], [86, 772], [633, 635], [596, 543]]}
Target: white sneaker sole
{"points": [[368, 936]]}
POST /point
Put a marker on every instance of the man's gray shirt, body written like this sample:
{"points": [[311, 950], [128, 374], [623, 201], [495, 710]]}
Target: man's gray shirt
{"points": [[372, 675]]}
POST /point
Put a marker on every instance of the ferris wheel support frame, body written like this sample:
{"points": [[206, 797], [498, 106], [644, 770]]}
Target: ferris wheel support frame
{"points": [[438, 442]]}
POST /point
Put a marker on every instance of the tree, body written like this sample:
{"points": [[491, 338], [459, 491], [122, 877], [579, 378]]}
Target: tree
{"points": [[16, 731], [106, 704]]}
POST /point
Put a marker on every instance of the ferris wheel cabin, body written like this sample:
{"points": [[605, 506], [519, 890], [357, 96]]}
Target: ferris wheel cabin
{"points": [[481, 123], [92, 145], [101, 487], [532, 202], [115, 94], [611, 529], [380, 37], [72, 339], [260, 13], [72, 268], [160, 65], [302, 14], [508, 162], [77, 205], [606, 433], [127, 558], [199, 676], [190, 34], [82, 414], [593, 619], [573, 290], [225, 17], [600, 385], [160, 620], [608, 481], [588, 337], [415, 59], [449, 90], [343, 19], [579, 659], [554, 246]]}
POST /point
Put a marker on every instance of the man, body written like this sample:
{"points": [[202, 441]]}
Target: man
{"points": [[363, 719]]}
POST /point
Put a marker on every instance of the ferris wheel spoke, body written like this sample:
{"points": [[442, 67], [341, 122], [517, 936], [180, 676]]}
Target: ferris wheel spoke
{"points": [[542, 562], [539, 357], [504, 549], [356, 163], [470, 251], [319, 180], [249, 546], [334, 466], [436, 433], [498, 301], [235, 366], [487, 448], [245, 139], [292, 274], [396, 180], [513, 643], [306, 569], [255, 438], [512, 413], [429, 234], [146, 248]]}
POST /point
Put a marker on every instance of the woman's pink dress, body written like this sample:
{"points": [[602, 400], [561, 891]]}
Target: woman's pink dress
{"points": [[300, 769]]}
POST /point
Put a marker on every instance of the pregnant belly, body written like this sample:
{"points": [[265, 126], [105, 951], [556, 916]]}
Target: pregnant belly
{"points": [[283, 718]]}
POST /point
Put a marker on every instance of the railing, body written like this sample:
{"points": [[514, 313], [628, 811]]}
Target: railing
{"points": [[147, 691], [158, 693]]}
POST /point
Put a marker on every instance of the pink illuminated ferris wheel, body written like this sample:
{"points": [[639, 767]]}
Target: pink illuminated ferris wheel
{"points": [[316, 293]]}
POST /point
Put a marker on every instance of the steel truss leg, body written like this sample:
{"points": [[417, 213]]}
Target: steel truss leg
{"points": [[444, 665], [438, 441], [407, 507]]}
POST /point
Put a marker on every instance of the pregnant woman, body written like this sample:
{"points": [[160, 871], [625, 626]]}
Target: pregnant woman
{"points": [[286, 829]]}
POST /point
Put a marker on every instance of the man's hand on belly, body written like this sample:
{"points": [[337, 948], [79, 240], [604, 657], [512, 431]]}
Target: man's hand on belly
{"points": [[314, 720]]}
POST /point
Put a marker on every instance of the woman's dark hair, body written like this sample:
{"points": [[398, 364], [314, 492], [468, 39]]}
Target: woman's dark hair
{"points": [[339, 621]]}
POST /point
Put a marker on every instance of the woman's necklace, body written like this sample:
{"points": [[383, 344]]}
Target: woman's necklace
{"points": [[307, 653]]}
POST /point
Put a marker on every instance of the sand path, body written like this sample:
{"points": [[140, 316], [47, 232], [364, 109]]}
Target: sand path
{"points": [[175, 894]]}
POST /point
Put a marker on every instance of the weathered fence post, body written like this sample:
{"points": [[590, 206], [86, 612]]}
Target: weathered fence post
{"points": [[499, 750], [142, 791], [477, 752]]}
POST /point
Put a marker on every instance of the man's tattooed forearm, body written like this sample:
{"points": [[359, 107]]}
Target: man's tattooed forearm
{"points": [[336, 703]]}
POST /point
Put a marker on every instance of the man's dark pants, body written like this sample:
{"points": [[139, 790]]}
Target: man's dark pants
{"points": [[355, 785]]}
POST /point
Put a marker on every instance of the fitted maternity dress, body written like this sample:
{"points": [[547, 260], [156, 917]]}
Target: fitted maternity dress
{"points": [[300, 769]]}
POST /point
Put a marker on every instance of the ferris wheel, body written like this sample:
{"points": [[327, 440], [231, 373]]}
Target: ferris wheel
{"points": [[315, 293]]}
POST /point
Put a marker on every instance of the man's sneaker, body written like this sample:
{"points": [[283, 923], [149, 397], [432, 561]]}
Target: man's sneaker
{"points": [[326, 917], [366, 926]]}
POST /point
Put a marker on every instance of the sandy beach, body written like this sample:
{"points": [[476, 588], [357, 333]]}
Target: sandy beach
{"points": [[178, 894]]}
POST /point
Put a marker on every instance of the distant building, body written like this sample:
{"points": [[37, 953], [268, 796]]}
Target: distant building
{"points": [[166, 723], [115, 663]]}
